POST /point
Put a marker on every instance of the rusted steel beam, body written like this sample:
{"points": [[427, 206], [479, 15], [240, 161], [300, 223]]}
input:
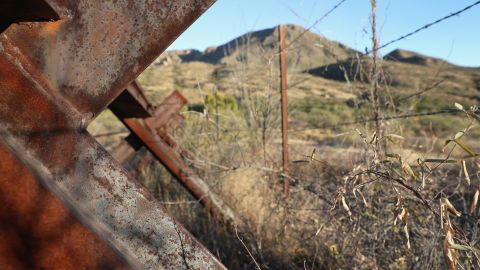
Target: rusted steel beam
{"points": [[55, 77], [166, 110], [97, 47], [127, 149], [166, 120], [130, 147], [126, 106], [152, 133], [144, 160], [37, 225], [172, 124], [169, 140], [132, 103], [15, 11], [170, 159]]}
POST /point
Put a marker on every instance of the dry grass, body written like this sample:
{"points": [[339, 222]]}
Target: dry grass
{"points": [[347, 210]]}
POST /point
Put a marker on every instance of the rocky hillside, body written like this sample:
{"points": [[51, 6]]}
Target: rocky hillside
{"points": [[316, 66], [328, 89], [249, 61], [307, 48], [409, 57]]}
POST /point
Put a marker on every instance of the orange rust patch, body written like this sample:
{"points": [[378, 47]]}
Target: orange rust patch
{"points": [[38, 232], [52, 28]]}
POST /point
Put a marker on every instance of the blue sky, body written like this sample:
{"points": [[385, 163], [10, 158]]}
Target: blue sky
{"points": [[457, 39]]}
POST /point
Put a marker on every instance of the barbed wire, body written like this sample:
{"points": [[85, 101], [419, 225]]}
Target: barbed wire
{"points": [[421, 92], [380, 47], [456, 13], [362, 121], [386, 118], [108, 134], [333, 126]]}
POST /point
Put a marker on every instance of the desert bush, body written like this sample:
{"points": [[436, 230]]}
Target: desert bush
{"points": [[220, 102]]}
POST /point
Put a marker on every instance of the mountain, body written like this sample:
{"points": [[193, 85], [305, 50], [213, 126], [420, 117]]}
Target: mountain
{"points": [[317, 67], [307, 48], [410, 57]]}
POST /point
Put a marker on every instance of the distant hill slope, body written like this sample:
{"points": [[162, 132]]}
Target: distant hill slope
{"points": [[407, 70], [308, 49], [317, 67], [410, 57]]}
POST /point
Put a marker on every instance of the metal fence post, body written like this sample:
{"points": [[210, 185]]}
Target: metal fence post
{"points": [[283, 86]]}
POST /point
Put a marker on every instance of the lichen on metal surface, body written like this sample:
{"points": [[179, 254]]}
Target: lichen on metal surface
{"points": [[55, 77], [97, 47]]}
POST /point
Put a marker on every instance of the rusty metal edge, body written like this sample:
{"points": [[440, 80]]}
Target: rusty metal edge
{"points": [[182, 171], [42, 175], [89, 219]]}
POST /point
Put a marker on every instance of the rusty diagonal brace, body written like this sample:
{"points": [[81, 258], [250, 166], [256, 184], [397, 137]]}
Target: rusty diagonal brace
{"points": [[65, 202], [152, 132]]}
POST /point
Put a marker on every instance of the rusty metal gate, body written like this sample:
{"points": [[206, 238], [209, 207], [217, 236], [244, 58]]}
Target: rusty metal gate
{"points": [[65, 202]]}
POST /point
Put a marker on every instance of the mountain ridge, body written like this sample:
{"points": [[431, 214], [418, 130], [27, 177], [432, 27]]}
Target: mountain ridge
{"points": [[316, 67], [266, 38], [322, 50]]}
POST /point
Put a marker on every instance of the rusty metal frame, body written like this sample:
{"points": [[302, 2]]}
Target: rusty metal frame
{"points": [[16, 11], [155, 134], [132, 103], [55, 77]]}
